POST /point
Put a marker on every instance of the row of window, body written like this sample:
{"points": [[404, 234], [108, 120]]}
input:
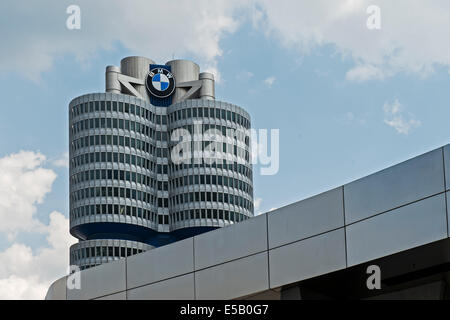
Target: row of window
{"points": [[138, 178], [103, 252], [131, 211], [131, 159], [127, 193], [137, 212], [213, 214], [208, 152], [89, 266], [156, 135], [114, 106], [119, 141], [213, 130], [215, 180], [191, 112], [235, 167], [188, 147], [123, 175], [115, 157], [114, 123], [205, 112], [212, 197]]}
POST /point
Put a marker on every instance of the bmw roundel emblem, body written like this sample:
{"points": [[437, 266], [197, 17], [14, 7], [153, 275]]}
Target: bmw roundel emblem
{"points": [[160, 82]]}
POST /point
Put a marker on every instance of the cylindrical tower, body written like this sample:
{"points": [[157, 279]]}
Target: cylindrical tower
{"points": [[112, 83], [213, 187], [137, 67], [90, 253], [184, 71], [128, 193], [113, 165], [207, 90]]}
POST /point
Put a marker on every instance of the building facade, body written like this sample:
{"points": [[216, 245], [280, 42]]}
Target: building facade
{"points": [[153, 160], [324, 247]]}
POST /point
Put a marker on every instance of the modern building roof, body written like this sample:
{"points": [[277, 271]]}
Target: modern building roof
{"points": [[389, 214]]}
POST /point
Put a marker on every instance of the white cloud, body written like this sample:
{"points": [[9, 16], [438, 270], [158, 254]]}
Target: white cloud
{"points": [[412, 39], [257, 203], [62, 161], [25, 274], [36, 32], [395, 117], [269, 81], [364, 72], [17, 288], [23, 185]]}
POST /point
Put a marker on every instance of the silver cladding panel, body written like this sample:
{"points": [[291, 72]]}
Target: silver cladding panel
{"points": [[207, 91], [112, 83], [137, 67], [116, 296], [183, 71], [233, 242], [179, 288], [448, 205], [401, 229], [233, 279], [161, 263], [302, 246], [306, 218], [100, 281], [409, 181], [447, 166], [57, 290], [307, 258]]}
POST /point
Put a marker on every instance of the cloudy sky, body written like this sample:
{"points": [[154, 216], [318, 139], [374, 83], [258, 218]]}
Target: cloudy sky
{"points": [[348, 100]]}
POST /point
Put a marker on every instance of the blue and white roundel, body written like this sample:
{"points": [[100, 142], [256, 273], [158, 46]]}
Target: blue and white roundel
{"points": [[160, 82]]}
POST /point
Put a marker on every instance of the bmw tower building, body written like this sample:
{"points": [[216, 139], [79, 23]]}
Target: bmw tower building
{"points": [[153, 160]]}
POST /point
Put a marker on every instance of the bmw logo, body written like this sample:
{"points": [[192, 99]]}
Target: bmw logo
{"points": [[160, 82]]}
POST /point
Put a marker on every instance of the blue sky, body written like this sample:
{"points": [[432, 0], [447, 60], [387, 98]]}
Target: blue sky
{"points": [[290, 73]]}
